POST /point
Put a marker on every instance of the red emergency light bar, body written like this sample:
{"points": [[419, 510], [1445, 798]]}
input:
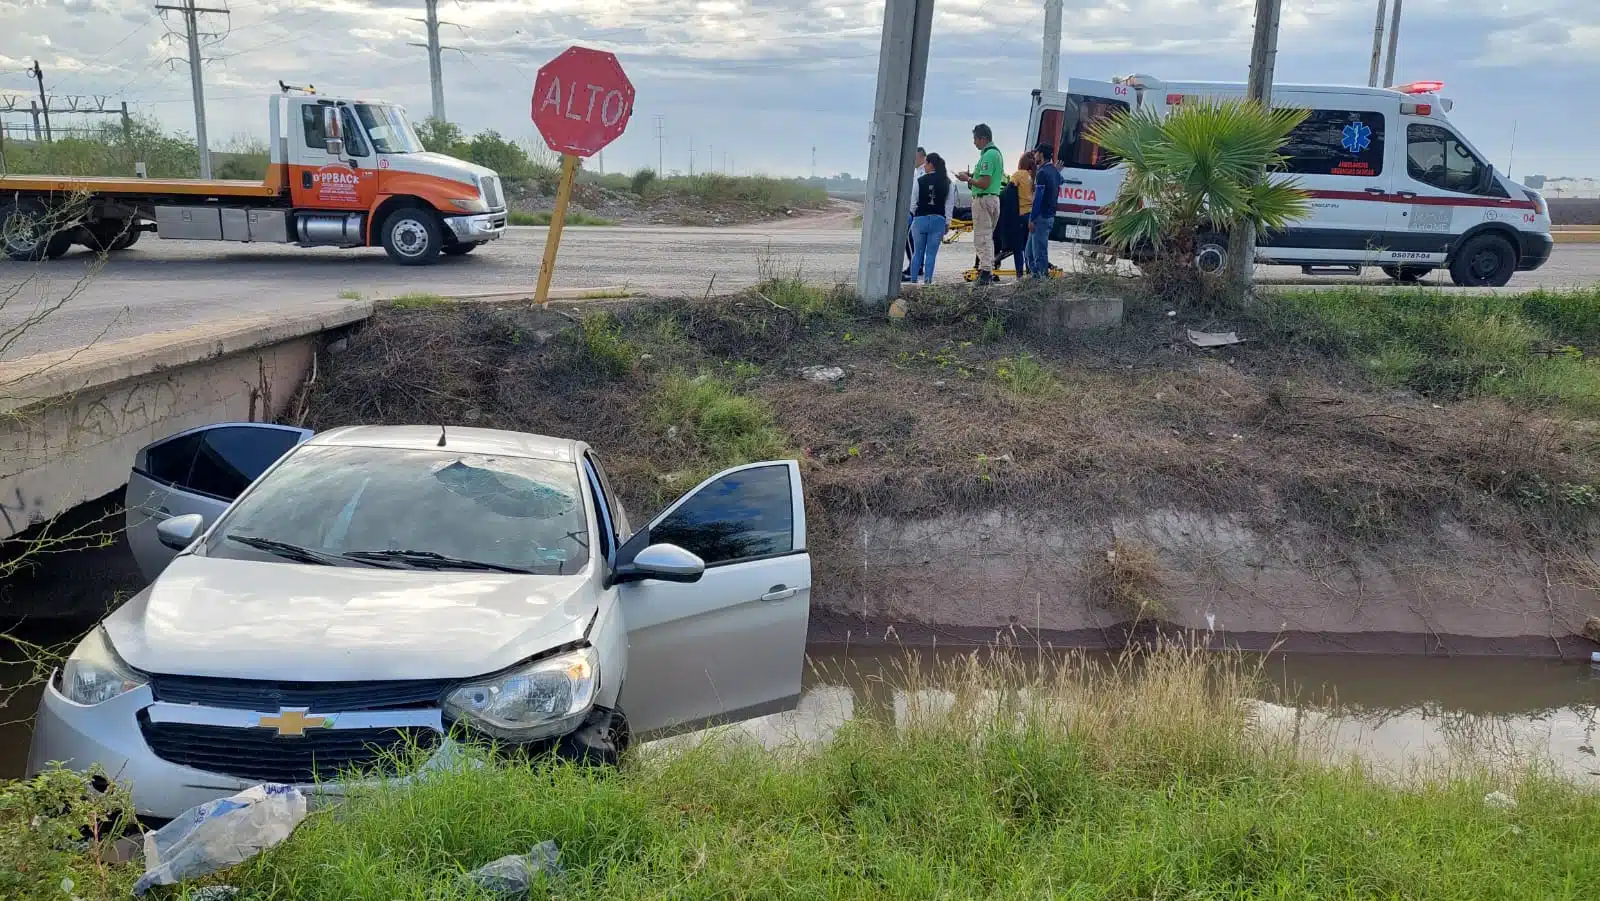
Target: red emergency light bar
{"points": [[1421, 87]]}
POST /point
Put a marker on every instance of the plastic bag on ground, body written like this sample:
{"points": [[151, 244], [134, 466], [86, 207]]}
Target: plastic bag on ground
{"points": [[514, 875], [219, 834]]}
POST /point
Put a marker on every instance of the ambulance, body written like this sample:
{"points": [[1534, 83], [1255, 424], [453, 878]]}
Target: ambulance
{"points": [[1392, 182]]}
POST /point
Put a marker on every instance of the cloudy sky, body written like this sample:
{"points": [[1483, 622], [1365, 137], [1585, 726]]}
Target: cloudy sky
{"points": [[755, 84]]}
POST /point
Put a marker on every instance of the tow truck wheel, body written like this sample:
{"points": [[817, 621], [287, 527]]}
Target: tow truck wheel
{"points": [[1486, 261], [412, 236], [459, 250], [1407, 274], [110, 234], [27, 233], [127, 238]]}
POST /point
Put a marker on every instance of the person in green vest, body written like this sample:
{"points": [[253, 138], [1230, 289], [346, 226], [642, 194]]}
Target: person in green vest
{"points": [[987, 179]]}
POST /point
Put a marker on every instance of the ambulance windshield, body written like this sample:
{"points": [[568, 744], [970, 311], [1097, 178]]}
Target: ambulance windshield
{"points": [[390, 130]]}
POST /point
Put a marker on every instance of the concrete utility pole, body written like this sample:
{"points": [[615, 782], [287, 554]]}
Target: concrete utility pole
{"points": [[435, 62], [896, 121], [1050, 66], [1394, 45], [1377, 45], [39, 76], [196, 82], [1263, 59]]}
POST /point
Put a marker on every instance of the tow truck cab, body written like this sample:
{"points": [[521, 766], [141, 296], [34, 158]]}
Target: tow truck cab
{"points": [[344, 173], [1392, 182]]}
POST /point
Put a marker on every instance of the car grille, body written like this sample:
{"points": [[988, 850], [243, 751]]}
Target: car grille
{"points": [[260, 755], [328, 697], [491, 192]]}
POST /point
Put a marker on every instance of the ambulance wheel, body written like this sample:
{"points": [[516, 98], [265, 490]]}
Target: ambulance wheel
{"points": [[1408, 274], [412, 236], [29, 235], [1211, 253], [1486, 261]]}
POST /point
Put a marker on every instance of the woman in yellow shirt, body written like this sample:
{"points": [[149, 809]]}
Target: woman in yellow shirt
{"points": [[1023, 179]]}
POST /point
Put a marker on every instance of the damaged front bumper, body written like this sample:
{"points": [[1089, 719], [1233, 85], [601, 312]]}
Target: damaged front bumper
{"points": [[164, 777], [477, 229]]}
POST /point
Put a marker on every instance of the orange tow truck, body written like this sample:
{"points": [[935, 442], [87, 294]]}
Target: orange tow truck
{"points": [[342, 173]]}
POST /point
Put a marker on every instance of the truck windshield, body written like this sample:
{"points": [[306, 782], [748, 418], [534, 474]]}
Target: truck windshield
{"points": [[389, 128]]}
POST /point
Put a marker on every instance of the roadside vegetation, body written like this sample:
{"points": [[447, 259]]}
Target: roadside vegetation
{"points": [[543, 217], [1142, 779]]}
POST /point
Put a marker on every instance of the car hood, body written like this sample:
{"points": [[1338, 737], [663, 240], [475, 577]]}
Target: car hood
{"points": [[437, 164], [206, 616]]}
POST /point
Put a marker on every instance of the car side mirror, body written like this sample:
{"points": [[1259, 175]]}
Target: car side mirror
{"points": [[336, 147], [662, 562], [179, 532]]}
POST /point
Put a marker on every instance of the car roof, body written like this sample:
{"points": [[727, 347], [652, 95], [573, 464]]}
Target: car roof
{"points": [[457, 438]]}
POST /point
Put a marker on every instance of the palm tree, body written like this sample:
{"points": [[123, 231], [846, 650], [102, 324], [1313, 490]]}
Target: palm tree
{"points": [[1194, 176]]}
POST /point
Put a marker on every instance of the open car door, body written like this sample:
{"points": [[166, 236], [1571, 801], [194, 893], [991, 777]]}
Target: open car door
{"points": [[198, 471], [730, 646]]}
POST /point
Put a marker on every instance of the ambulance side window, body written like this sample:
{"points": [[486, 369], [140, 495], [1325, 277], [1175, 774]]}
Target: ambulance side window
{"points": [[1082, 112], [1336, 142], [1436, 156]]}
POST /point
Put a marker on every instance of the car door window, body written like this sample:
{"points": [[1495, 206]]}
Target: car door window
{"points": [[605, 519], [743, 515], [228, 459], [619, 516], [1437, 156], [170, 461]]}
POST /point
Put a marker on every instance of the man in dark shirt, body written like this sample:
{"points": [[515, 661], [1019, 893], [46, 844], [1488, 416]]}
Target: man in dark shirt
{"points": [[1042, 218]]}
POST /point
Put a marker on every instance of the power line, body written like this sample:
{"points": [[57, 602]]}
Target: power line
{"points": [[61, 85]]}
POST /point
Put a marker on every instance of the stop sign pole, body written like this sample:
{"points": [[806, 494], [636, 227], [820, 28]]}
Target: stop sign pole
{"points": [[582, 101]]}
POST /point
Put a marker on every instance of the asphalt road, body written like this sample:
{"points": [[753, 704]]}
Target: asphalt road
{"points": [[161, 285]]}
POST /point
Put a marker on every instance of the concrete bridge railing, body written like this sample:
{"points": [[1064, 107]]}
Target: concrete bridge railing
{"points": [[71, 421]]}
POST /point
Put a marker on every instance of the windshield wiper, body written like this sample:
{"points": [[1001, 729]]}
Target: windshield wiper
{"points": [[297, 553], [431, 560]]}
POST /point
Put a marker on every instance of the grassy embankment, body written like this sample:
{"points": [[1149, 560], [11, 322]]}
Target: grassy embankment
{"points": [[542, 217], [1364, 414], [1143, 782]]}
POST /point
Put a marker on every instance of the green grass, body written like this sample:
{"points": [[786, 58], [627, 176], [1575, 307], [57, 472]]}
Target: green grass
{"points": [[350, 294], [769, 195], [542, 217], [725, 427], [601, 334], [1141, 784], [416, 301], [1025, 375], [1537, 349]]}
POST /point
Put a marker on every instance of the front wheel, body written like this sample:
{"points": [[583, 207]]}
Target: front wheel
{"points": [[1486, 261], [28, 232], [412, 236], [459, 250], [1407, 274]]}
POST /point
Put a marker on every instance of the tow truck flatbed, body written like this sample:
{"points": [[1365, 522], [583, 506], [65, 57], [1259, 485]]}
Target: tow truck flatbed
{"points": [[137, 186]]}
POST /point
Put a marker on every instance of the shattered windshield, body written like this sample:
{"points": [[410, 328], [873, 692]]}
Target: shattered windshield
{"points": [[416, 508], [390, 130]]}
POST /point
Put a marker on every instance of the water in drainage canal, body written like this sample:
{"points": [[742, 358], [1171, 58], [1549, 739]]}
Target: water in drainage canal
{"points": [[1395, 712]]}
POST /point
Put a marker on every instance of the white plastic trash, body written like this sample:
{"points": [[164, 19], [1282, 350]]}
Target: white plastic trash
{"points": [[219, 834]]}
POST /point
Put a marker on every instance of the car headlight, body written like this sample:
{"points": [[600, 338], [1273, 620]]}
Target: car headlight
{"points": [[95, 674], [543, 699], [470, 204]]}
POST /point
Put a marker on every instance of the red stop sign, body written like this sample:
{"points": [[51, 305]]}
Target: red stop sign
{"points": [[581, 101]]}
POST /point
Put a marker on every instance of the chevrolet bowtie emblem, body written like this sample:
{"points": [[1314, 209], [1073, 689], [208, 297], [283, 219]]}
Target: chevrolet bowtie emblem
{"points": [[294, 723]]}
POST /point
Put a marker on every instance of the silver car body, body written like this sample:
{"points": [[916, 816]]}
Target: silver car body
{"points": [[210, 631]]}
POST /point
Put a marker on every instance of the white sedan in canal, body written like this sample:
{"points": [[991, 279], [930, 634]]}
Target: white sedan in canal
{"points": [[377, 588]]}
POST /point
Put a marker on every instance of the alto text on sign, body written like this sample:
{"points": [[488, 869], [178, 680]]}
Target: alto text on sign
{"points": [[582, 101]]}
